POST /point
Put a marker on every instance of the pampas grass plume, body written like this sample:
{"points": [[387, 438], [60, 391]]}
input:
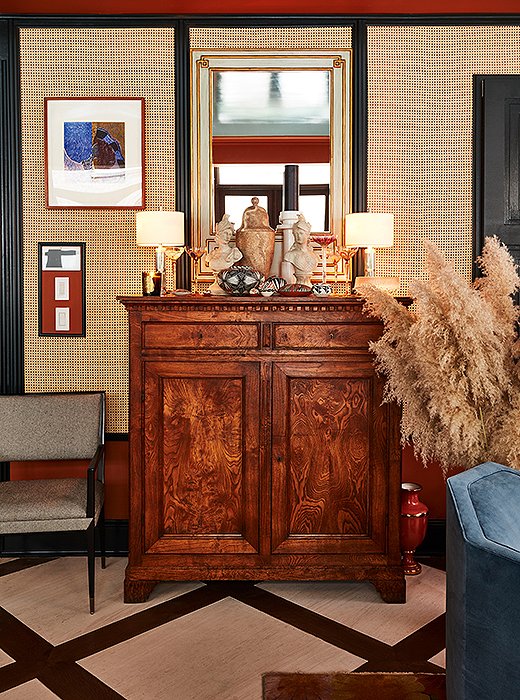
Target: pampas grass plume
{"points": [[452, 364]]}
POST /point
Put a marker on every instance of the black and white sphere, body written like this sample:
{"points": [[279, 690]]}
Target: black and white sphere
{"points": [[239, 279]]}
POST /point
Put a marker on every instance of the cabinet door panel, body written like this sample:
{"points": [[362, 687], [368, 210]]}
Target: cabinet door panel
{"points": [[202, 464], [327, 466]]}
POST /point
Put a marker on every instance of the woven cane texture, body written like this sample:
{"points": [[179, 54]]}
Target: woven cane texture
{"points": [[271, 38], [420, 135], [93, 63]]}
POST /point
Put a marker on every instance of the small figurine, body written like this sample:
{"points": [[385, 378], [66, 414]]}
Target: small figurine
{"points": [[223, 255], [300, 254]]}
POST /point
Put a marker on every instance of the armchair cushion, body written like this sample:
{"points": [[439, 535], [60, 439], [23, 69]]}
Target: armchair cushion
{"points": [[46, 505], [49, 426]]}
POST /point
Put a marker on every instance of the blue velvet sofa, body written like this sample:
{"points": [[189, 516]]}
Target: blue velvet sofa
{"points": [[483, 584]]}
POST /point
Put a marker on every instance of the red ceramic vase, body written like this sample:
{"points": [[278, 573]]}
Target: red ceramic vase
{"points": [[414, 520]]}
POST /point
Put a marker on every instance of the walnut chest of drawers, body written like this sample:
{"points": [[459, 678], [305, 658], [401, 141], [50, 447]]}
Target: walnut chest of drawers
{"points": [[260, 448]]}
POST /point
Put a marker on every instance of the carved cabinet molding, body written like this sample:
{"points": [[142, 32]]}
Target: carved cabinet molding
{"points": [[260, 448]]}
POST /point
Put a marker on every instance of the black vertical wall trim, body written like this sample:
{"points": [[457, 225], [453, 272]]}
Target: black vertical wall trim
{"points": [[359, 130], [11, 286], [359, 116], [11, 313], [182, 141], [478, 165]]}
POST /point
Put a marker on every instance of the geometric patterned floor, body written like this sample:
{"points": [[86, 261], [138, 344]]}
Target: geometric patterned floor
{"points": [[197, 641]]}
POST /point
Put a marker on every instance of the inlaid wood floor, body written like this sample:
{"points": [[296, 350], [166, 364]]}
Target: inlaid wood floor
{"points": [[196, 641]]}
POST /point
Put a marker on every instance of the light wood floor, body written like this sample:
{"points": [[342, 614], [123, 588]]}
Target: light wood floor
{"points": [[192, 641]]}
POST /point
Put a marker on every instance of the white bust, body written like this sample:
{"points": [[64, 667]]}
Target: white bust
{"points": [[224, 255], [300, 254]]}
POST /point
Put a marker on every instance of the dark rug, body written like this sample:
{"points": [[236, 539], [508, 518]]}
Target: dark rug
{"points": [[354, 686]]}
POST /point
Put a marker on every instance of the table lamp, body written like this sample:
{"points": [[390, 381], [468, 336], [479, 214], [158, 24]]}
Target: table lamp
{"points": [[369, 230], [165, 231]]}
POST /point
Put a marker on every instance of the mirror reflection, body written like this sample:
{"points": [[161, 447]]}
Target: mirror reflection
{"points": [[277, 116], [274, 103], [235, 184], [257, 114]]}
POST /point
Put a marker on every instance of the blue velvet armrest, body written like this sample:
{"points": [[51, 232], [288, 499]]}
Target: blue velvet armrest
{"points": [[483, 584]]}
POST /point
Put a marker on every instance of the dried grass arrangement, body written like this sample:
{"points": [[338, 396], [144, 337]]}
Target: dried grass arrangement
{"points": [[451, 364]]}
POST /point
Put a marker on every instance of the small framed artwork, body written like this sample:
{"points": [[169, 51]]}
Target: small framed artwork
{"points": [[61, 289], [94, 152]]}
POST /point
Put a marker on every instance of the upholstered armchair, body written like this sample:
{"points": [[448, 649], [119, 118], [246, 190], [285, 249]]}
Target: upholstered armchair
{"points": [[483, 584], [55, 427]]}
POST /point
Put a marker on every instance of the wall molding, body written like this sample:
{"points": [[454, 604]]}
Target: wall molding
{"points": [[11, 292], [65, 543], [11, 284], [73, 543]]}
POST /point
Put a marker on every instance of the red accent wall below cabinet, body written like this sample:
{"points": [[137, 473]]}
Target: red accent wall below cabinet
{"points": [[116, 476]]}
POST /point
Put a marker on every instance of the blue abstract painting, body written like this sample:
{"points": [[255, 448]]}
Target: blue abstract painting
{"points": [[77, 139], [98, 145]]}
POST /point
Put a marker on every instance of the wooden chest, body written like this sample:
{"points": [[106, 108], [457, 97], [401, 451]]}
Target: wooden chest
{"points": [[260, 447]]}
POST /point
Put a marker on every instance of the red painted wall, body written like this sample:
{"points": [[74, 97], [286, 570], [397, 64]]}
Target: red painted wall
{"points": [[244, 7], [431, 479], [116, 476]]}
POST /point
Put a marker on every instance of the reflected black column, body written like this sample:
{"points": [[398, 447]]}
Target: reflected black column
{"points": [[291, 188]]}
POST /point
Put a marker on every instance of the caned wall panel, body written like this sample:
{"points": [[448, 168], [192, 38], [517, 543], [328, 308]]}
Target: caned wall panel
{"points": [[93, 63], [420, 135], [271, 38]]}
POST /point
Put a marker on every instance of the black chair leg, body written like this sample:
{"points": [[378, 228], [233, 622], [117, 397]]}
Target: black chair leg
{"points": [[91, 556], [101, 528]]}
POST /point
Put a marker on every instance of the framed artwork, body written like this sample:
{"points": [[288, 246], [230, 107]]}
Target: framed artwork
{"points": [[61, 289], [94, 152]]}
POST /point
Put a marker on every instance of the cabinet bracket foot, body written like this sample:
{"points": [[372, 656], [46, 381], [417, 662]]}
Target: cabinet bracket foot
{"points": [[138, 591], [391, 591]]}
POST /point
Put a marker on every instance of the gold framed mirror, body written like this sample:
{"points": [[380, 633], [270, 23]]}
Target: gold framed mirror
{"points": [[254, 110]]}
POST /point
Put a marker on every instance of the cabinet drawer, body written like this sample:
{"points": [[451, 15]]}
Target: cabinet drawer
{"points": [[328, 335], [220, 336]]}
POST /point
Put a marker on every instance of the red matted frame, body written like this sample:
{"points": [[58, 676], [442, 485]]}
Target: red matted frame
{"points": [[61, 289], [94, 188]]}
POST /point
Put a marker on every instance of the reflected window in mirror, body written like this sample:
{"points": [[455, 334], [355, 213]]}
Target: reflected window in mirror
{"points": [[271, 103], [235, 184]]}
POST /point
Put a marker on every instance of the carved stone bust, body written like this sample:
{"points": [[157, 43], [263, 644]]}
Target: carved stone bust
{"points": [[300, 254], [224, 255]]}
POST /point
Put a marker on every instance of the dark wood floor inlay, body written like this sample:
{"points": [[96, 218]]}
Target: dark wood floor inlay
{"points": [[11, 567], [132, 626], [56, 665], [319, 626], [33, 657]]}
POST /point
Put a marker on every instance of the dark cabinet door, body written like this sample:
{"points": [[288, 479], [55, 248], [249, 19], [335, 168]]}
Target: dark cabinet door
{"points": [[497, 160], [330, 459], [200, 457]]}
